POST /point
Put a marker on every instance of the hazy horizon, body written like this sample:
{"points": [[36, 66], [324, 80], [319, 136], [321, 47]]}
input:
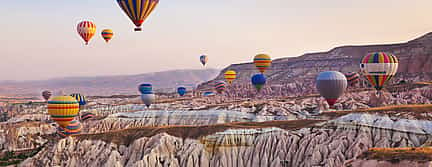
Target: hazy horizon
{"points": [[40, 42], [108, 75]]}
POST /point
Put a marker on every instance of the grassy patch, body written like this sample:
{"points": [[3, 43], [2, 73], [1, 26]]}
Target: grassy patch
{"points": [[13, 158]]}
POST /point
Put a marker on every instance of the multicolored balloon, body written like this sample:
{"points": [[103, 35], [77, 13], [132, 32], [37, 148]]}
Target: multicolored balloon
{"points": [[262, 62], [46, 94], [107, 34], [148, 99], [86, 29], [220, 86], [87, 115], [353, 78], [379, 68], [80, 98], [230, 76], [138, 10], [203, 59], [258, 80], [72, 129], [331, 85], [63, 109], [146, 88], [181, 91]]}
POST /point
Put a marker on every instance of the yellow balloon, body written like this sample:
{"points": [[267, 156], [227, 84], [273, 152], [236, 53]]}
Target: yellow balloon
{"points": [[63, 109], [230, 76], [262, 62]]}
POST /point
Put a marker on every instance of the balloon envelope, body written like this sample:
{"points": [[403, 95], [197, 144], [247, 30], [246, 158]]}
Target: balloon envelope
{"points": [[331, 85], [220, 86], [379, 68], [86, 116], [258, 80], [73, 128], [138, 10], [203, 59], [352, 78], [230, 76], [86, 29], [80, 98], [63, 109], [107, 35], [262, 62], [146, 88], [208, 94], [148, 99], [46, 94], [181, 91]]}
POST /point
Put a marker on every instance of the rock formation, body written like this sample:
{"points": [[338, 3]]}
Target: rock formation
{"points": [[331, 146], [297, 74]]}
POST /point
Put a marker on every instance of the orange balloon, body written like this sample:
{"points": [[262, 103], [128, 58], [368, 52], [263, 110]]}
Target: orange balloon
{"points": [[86, 29]]}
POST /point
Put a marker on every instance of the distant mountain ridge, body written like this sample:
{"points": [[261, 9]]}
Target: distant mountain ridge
{"points": [[414, 56], [110, 85]]}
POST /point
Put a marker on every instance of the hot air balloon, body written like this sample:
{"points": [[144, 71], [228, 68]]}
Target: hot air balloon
{"points": [[148, 99], [230, 76], [107, 35], [181, 91], [331, 85], [46, 94], [146, 88], [220, 86], [86, 116], [138, 10], [379, 68], [206, 94], [63, 109], [262, 62], [204, 59], [72, 129], [258, 80], [80, 98], [86, 29], [353, 78], [147, 95]]}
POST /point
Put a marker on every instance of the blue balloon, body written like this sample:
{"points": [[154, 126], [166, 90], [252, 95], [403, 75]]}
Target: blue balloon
{"points": [[181, 91], [146, 88], [80, 98], [208, 93], [258, 80]]}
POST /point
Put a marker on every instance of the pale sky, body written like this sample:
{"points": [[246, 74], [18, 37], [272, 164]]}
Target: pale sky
{"points": [[39, 39]]}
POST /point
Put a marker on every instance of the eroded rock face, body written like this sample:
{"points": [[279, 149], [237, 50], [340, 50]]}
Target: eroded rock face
{"points": [[163, 118], [23, 136], [331, 146], [385, 122]]}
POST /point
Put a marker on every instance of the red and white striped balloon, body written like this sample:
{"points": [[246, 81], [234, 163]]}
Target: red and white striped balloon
{"points": [[86, 29]]}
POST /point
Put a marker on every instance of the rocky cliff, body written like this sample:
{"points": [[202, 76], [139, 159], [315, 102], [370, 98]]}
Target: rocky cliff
{"points": [[329, 146], [415, 63]]}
